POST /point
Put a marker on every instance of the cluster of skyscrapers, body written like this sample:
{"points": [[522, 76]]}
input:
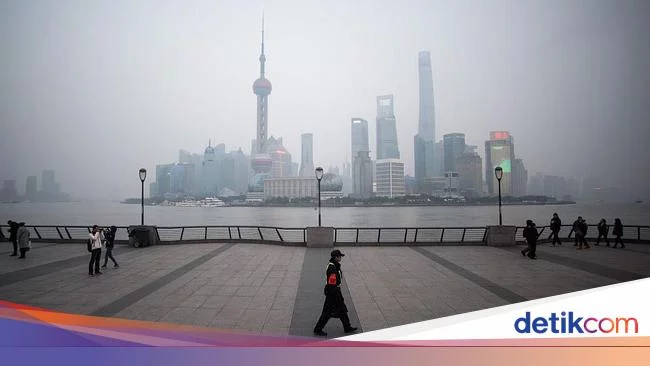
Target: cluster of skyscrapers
{"points": [[50, 189], [447, 167]]}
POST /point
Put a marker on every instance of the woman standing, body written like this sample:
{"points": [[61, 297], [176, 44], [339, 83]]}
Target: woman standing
{"points": [[23, 239], [618, 231]]}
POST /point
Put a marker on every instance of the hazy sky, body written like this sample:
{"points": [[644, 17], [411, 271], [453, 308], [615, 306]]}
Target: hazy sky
{"points": [[98, 89]]}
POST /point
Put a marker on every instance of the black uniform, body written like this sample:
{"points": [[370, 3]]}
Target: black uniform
{"points": [[13, 236], [556, 225], [603, 231], [618, 231], [110, 242], [530, 233], [334, 306]]}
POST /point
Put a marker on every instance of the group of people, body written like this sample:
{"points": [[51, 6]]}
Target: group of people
{"points": [[19, 237], [98, 239], [580, 229]]}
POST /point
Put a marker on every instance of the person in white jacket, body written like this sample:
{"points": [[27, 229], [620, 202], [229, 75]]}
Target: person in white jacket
{"points": [[96, 240]]}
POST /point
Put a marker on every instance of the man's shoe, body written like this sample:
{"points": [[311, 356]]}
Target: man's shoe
{"points": [[523, 253], [320, 333], [98, 273], [14, 255], [104, 266], [350, 330], [21, 257], [116, 266], [587, 247]]}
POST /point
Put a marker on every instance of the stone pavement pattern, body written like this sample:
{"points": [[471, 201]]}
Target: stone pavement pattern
{"points": [[268, 289]]}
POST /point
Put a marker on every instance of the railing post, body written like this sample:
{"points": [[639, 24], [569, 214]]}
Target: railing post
{"points": [[239, 232], [182, 232], [259, 230], [462, 240], [37, 233], [638, 233], [442, 235], [406, 231], [335, 235], [279, 236], [485, 234], [379, 236], [59, 231], [304, 236], [356, 241], [205, 237], [229, 233], [570, 233], [67, 232], [415, 238]]}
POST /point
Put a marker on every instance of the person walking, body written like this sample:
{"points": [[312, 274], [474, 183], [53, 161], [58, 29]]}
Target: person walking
{"points": [[96, 239], [583, 238], [13, 236], [23, 240], [556, 225], [530, 233], [576, 231], [334, 306], [110, 240], [603, 230], [618, 231]]}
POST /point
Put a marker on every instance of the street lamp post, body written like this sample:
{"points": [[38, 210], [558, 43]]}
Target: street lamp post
{"points": [[143, 176], [319, 176], [498, 172]]}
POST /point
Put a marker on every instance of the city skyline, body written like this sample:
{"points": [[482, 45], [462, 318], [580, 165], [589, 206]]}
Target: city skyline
{"points": [[178, 100]]}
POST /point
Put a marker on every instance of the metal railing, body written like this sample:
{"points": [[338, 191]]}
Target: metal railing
{"points": [[355, 236]]}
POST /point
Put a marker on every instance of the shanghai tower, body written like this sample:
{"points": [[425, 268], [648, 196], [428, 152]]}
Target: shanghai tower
{"points": [[426, 137]]}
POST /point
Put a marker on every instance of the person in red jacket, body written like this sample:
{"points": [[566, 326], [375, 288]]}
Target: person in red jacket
{"points": [[334, 306]]}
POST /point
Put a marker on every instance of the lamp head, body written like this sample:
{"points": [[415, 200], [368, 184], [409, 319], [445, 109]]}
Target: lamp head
{"points": [[498, 172], [319, 173], [143, 174]]}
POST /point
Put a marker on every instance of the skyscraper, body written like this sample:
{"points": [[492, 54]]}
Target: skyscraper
{"points": [[499, 151], [31, 187], [359, 136], [470, 171], [454, 145], [424, 141], [261, 162], [519, 178], [307, 155], [362, 175], [47, 181], [390, 178], [387, 147]]}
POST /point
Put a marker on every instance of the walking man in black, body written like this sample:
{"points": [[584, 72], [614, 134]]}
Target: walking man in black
{"points": [[603, 230], [13, 236], [618, 231], [530, 233], [334, 306], [110, 241], [556, 225]]}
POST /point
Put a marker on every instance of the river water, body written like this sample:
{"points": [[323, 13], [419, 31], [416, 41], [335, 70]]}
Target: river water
{"points": [[114, 213]]}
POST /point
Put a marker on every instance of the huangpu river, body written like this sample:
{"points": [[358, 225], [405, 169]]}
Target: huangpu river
{"points": [[115, 213]]}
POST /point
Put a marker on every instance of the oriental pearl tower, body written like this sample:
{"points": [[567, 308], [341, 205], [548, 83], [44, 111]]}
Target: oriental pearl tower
{"points": [[261, 162]]}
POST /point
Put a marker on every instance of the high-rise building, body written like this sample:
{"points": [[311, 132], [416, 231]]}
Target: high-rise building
{"points": [[470, 171], [387, 147], [184, 157], [362, 175], [519, 178], [9, 193], [182, 179], [242, 168], [499, 151], [209, 172], [359, 136], [47, 181], [307, 155], [454, 147], [31, 187], [261, 161], [164, 179], [153, 190], [424, 141], [281, 164], [390, 178], [439, 159]]}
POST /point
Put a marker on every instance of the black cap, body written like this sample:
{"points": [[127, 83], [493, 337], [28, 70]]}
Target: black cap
{"points": [[337, 253]]}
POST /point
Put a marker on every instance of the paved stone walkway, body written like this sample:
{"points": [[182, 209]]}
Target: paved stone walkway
{"points": [[268, 289]]}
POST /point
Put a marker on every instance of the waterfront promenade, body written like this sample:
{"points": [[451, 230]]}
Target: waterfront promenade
{"points": [[272, 289]]}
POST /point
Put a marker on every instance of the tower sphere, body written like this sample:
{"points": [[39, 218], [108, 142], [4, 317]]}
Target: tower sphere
{"points": [[262, 86]]}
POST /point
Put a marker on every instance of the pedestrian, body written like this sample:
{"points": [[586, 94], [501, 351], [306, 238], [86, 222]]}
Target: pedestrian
{"points": [[96, 239], [618, 231], [603, 231], [13, 236], [576, 231], [110, 239], [556, 225], [334, 306], [530, 233], [584, 228], [23, 240]]}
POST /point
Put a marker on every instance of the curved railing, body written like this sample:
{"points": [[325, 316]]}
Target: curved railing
{"points": [[356, 236]]}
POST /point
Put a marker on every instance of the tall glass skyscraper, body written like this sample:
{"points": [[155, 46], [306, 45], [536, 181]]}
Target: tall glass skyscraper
{"points": [[307, 156], [387, 147], [359, 136], [424, 143], [454, 145]]}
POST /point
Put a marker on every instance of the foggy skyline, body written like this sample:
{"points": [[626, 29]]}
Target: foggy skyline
{"points": [[98, 89]]}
